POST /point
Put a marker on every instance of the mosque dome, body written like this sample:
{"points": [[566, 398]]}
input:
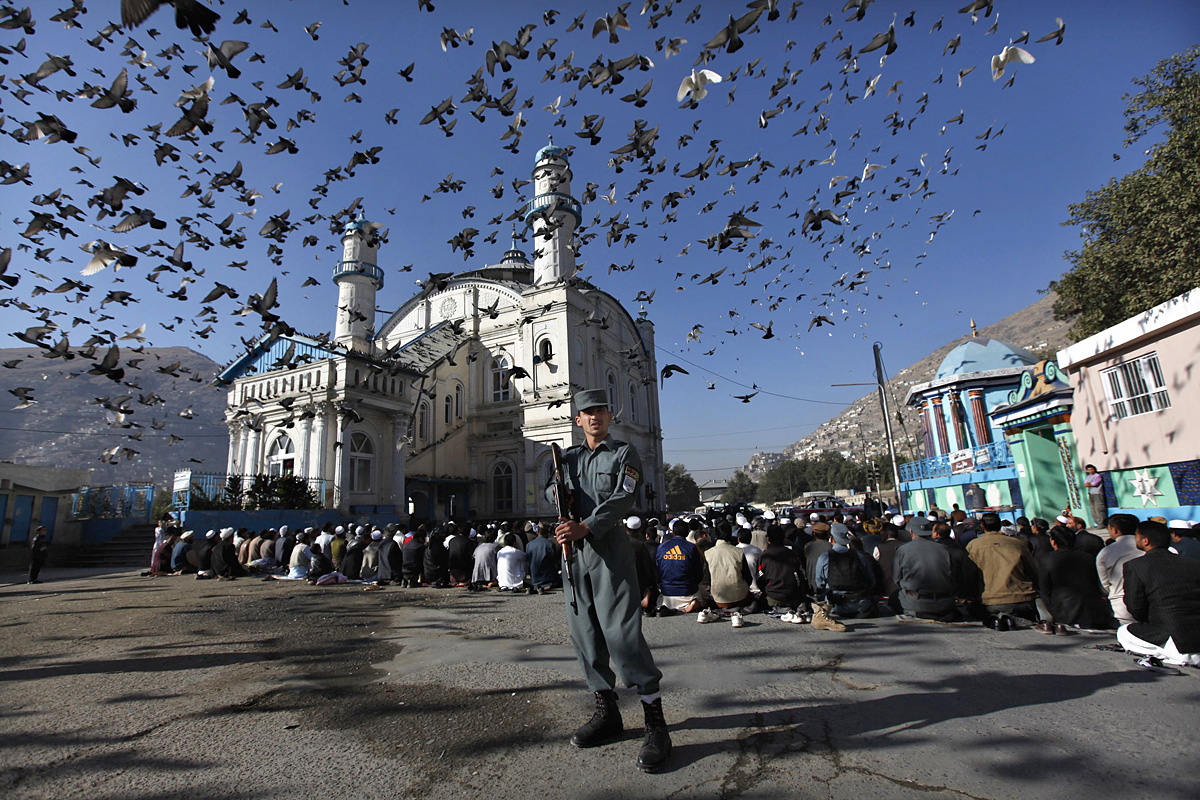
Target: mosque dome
{"points": [[979, 354], [552, 151]]}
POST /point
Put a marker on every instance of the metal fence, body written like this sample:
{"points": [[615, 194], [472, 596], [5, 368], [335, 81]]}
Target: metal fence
{"points": [[219, 490], [131, 501], [995, 455]]}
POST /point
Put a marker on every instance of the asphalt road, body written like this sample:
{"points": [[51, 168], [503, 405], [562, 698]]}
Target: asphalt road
{"points": [[116, 686]]}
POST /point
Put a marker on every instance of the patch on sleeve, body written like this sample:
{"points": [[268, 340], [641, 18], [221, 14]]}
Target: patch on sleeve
{"points": [[630, 480]]}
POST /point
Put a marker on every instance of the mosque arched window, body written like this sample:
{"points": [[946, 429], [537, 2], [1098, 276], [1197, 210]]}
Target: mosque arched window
{"points": [[423, 422], [448, 409], [501, 389], [458, 400], [281, 459], [362, 462], [502, 487], [612, 390], [633, 402]]}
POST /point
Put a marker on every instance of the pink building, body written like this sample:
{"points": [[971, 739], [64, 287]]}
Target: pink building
{"points": [[1137, 409]]}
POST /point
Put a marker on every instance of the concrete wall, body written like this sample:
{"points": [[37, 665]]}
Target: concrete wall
{"points": [[1159, 437]]}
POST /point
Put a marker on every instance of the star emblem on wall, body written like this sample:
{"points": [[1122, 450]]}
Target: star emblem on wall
{"points": [[1145, 487]]}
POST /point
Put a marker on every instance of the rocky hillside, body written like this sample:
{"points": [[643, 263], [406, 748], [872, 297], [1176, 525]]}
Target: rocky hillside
{"points": [[857, 431], [173, 414]]}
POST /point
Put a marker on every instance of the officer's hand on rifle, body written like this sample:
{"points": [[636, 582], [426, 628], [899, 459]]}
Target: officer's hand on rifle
{"points": [[570, 531]]}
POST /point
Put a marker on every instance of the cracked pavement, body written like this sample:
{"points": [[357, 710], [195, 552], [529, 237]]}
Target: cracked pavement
{"points": [[129, 687]]}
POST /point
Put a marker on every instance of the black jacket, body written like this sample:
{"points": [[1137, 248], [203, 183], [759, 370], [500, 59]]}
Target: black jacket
{"points": [[414, 559], [458, 557], [1163, 590], [780, 575], [437, 560], [352, 562], [1070, 586]]}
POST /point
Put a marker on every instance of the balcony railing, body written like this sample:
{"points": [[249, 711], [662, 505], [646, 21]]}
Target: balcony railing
{"points": [[358, 268], [995, 455], [556, 199], [217, 490]]}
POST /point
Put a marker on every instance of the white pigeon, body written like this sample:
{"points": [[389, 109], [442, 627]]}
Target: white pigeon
{"points": [[695, 84], [870, 169], [104, 254], [1010, 54]]}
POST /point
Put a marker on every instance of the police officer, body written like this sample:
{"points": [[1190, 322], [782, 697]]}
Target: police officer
{"points": [[602, 476]]}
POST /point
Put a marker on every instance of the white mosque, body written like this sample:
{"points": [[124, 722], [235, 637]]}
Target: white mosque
{"points": [[448, 407]]}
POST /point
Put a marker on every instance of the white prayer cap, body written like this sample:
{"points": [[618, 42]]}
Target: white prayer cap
{"points": [[376, 535], [359, 531], [339, 529], [740, 518], [226, 533], [898, 520], [210, 534], [187, 535], [813, 517], [283, 530], [746, 525], [785, 521], [768, 514], [1062, 520], [309, 530], [932, 515], [1179, 525], [633, 523]]}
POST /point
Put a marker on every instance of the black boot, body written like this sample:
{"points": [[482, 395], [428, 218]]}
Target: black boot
{"points": [[657, 747], [604, 726]]}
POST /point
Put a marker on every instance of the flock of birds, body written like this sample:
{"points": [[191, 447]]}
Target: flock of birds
{"points": [[812, 240]]}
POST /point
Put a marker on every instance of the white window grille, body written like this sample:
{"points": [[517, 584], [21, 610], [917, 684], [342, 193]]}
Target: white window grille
{"points": [[1135, 387]]}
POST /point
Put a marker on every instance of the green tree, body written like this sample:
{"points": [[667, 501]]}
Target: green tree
{"points": [[784, 481], [682, 492], [1140, 231], [740, 489]]}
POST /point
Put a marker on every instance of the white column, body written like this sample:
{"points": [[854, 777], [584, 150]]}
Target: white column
{"points": [[399, 454], [235, 437], [242, 447], [339, 459], [250, 465], [318, 448], [947, 403], [303, 448]]}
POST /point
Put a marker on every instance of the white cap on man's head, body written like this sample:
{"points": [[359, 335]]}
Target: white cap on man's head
{"points": [[376, 535], [1062, 520], [768, 514], [283, 530], [813, 517], [633, 523], [898, 520], [1179, 525]]}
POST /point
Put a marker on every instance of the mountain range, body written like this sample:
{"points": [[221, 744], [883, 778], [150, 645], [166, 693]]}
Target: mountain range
{"points": [[165, 414]]}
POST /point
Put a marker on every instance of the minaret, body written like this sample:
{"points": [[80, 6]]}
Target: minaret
{"points": [[358, 279], [553, 256]]}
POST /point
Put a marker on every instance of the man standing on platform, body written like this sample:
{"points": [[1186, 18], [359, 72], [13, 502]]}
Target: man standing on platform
{"points": [[602, 476]]}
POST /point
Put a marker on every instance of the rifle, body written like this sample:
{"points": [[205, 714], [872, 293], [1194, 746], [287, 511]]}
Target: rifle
{"points": [[562, 502]]}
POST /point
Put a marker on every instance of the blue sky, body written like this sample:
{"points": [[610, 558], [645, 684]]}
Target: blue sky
{"points": [[1061, 122]]}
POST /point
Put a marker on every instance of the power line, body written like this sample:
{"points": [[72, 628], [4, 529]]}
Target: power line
{"points": [[722, 449], [738, 433], [745, 386]]}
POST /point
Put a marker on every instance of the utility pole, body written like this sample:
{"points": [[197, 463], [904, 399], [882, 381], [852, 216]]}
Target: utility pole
{"points": [[887, 424]]}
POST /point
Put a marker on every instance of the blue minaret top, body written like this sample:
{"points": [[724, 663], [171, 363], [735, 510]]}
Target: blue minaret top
{"points": [[357, 224], [552, 151]]}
